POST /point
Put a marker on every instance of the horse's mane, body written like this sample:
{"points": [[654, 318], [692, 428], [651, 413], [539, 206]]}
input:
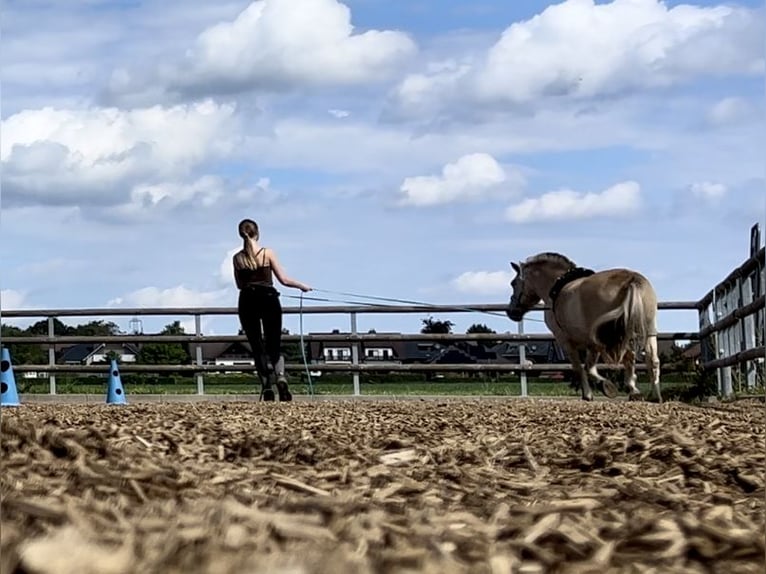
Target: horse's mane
{"points": [[550, 257]]}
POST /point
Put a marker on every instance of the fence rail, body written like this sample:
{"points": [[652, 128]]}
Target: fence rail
{"points": [[733, 337], [329, 367], [290, 310], [356, 339], [732, 322], [324, 338]]}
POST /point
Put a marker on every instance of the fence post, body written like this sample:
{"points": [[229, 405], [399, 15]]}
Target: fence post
{"points": [[723, 347], [51, 356], [198, 353], [522, 360], [355, 354], [748, 330]]}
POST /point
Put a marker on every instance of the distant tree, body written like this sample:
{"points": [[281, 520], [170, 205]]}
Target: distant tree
{"points": [[166, 353], [432, 326], [41, 327], [482, 328], [291, 350], [23, 354], [95, 329], [479, 328]]}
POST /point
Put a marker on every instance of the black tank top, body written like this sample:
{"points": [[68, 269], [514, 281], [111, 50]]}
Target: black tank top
{"points": [[259, 277]]}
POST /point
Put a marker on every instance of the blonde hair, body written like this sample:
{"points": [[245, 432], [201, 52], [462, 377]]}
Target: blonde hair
{"points": [[248, 231]]}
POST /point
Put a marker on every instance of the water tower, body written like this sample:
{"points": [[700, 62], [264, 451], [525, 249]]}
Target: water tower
{"points": [[136, 326]]}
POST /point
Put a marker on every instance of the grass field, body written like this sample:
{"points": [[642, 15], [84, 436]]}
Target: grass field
{"points": [[369, 385]]}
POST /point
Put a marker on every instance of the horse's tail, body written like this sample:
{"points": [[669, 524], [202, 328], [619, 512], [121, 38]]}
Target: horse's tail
{"points": [[624, 327]]}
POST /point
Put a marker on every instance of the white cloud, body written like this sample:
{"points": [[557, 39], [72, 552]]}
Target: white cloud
{"points": [[204, 193], [287, 43], [471, 177], [226, 269], [99, 156], [13, 299], [728, 111], [339, 113], [708, 190], [206, 326], [619, 200], [418, 93], [582, 49], [179, 296], [483, 282]]}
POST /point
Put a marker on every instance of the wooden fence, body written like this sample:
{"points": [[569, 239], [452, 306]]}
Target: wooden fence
{"points": [[355, 366], [734, 340], [732, 328]]}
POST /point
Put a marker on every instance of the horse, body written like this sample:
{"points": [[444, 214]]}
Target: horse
{"points": [[607, 314]]}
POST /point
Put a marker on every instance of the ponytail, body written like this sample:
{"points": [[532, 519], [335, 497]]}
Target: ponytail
{"points": [[248, 231]]}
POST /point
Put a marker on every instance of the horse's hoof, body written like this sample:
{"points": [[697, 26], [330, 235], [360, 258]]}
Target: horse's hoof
{"points": [[609, 389], [587, 398], [635, 397]]}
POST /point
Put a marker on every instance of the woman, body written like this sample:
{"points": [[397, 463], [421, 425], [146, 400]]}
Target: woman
{"points": [[260, 311]]}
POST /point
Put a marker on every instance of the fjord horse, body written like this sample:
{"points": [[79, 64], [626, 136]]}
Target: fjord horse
{"points": [[610, 314]]}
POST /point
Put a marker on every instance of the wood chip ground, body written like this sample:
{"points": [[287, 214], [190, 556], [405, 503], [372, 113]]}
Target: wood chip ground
{"points": [[392, 486]]}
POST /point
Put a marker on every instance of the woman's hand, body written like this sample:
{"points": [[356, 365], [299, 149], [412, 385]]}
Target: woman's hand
{"points": [[304, 288]]}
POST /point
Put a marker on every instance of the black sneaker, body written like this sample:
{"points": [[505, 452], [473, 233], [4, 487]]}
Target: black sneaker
{"points": [[267, 392], [284, 392]]}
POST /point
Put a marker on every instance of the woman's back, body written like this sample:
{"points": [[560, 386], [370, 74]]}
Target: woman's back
{"points": [[253, 271]]}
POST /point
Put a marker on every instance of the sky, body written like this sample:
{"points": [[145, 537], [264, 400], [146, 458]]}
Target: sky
{"points": [[406, 150]]}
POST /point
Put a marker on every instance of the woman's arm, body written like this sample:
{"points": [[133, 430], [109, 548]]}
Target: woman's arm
{"points": [[237, 279], [282, 276]]}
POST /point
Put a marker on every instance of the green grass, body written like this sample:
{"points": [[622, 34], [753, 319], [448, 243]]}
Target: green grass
{"points": [[400, 385]]}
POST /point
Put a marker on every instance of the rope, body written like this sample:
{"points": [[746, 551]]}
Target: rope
{"points": [[301, 297], [408, 302], [303, 349]]}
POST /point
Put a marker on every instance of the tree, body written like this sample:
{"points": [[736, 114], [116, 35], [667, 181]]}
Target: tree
{"points": [[482, 328], [166, 353], [479, 328], [291, 350], [23, 354], [96, 329], [431, 326], [41, 327]]}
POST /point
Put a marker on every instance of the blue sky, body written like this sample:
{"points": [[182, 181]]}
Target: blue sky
{"points": [[407, 149]]}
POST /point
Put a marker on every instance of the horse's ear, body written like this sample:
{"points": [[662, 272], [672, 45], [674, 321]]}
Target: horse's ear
{"points": [[516, 267]]}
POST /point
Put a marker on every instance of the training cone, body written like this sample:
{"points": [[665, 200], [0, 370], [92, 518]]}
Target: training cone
{"points": [[115, 394], [9, 396]]}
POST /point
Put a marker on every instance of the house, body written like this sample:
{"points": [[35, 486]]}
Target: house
{"points": [[537, 352], [329, 352], [692, 352], [227, 354], [90, 353]]}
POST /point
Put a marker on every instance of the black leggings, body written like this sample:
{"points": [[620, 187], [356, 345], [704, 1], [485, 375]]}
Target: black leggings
{"points": [[261, 306]]}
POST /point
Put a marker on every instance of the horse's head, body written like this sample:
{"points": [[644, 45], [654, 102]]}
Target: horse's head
{"points": [[524, 296]]}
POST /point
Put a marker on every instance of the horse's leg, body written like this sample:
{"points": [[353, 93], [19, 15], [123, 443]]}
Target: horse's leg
{"points": [[607, 386], [653, 365], [574, 358], [629, 362]]}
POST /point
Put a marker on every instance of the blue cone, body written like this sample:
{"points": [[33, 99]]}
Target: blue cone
{"points": [[9, 396], [115, 394]]}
